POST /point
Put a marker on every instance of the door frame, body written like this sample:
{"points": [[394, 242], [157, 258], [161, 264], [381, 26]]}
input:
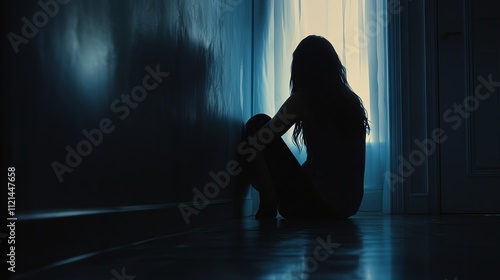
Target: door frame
{"points": [[413, 70]]}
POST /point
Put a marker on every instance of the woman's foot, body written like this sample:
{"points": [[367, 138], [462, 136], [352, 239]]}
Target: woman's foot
{"points": [[268, 207]]}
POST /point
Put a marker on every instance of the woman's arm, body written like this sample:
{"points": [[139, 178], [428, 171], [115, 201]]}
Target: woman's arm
{"points": [[289, 113]]}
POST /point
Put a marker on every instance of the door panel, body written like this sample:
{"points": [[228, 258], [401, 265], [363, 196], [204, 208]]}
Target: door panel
{"points": [[469, 97]]}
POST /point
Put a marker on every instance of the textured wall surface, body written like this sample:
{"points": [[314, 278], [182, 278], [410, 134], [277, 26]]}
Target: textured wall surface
{"points": [[114, 111], [79, 71]]}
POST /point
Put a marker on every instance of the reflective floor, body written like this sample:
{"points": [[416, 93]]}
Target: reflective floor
{"points": [[365, 247]]}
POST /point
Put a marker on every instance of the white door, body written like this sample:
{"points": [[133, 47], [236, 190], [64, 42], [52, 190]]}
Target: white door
{"points": [[469, 103]]}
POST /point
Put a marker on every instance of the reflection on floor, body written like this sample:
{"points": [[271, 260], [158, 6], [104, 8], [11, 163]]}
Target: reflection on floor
{"points": [[364, 247]]}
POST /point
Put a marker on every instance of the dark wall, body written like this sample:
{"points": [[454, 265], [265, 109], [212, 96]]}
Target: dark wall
{"points": [[72, 75]]}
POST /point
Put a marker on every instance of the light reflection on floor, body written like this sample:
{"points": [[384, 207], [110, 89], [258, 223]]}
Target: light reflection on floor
{"points": [[365, 247]]}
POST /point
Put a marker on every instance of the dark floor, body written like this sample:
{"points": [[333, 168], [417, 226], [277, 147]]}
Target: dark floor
{"points": [[365, 247]]}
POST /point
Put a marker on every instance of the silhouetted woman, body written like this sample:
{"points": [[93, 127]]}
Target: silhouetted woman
{"points": [[330, 121]]}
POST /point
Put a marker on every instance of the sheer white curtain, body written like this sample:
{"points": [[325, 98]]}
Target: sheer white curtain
{"points": [[357, 30]]}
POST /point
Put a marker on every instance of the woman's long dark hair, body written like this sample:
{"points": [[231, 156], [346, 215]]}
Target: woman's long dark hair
{"points": [[318, 72]]}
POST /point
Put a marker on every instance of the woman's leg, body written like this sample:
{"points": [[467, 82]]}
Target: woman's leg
{"points": [[259, 174], [280, 179], [296, 194]]}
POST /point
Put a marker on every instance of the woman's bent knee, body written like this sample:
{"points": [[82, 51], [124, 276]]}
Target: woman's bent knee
{"points": [[255, 123]]}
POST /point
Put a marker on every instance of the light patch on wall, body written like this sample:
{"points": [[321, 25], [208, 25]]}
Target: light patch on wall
{"points": [[90, 64], [78, 54], [87, 49]]}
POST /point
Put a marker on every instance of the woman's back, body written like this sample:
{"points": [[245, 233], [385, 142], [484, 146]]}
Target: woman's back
{"points": [[336, 162], [334, 125]]}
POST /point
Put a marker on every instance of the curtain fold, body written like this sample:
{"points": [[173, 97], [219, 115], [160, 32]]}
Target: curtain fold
{"points": [[357, 30]]}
